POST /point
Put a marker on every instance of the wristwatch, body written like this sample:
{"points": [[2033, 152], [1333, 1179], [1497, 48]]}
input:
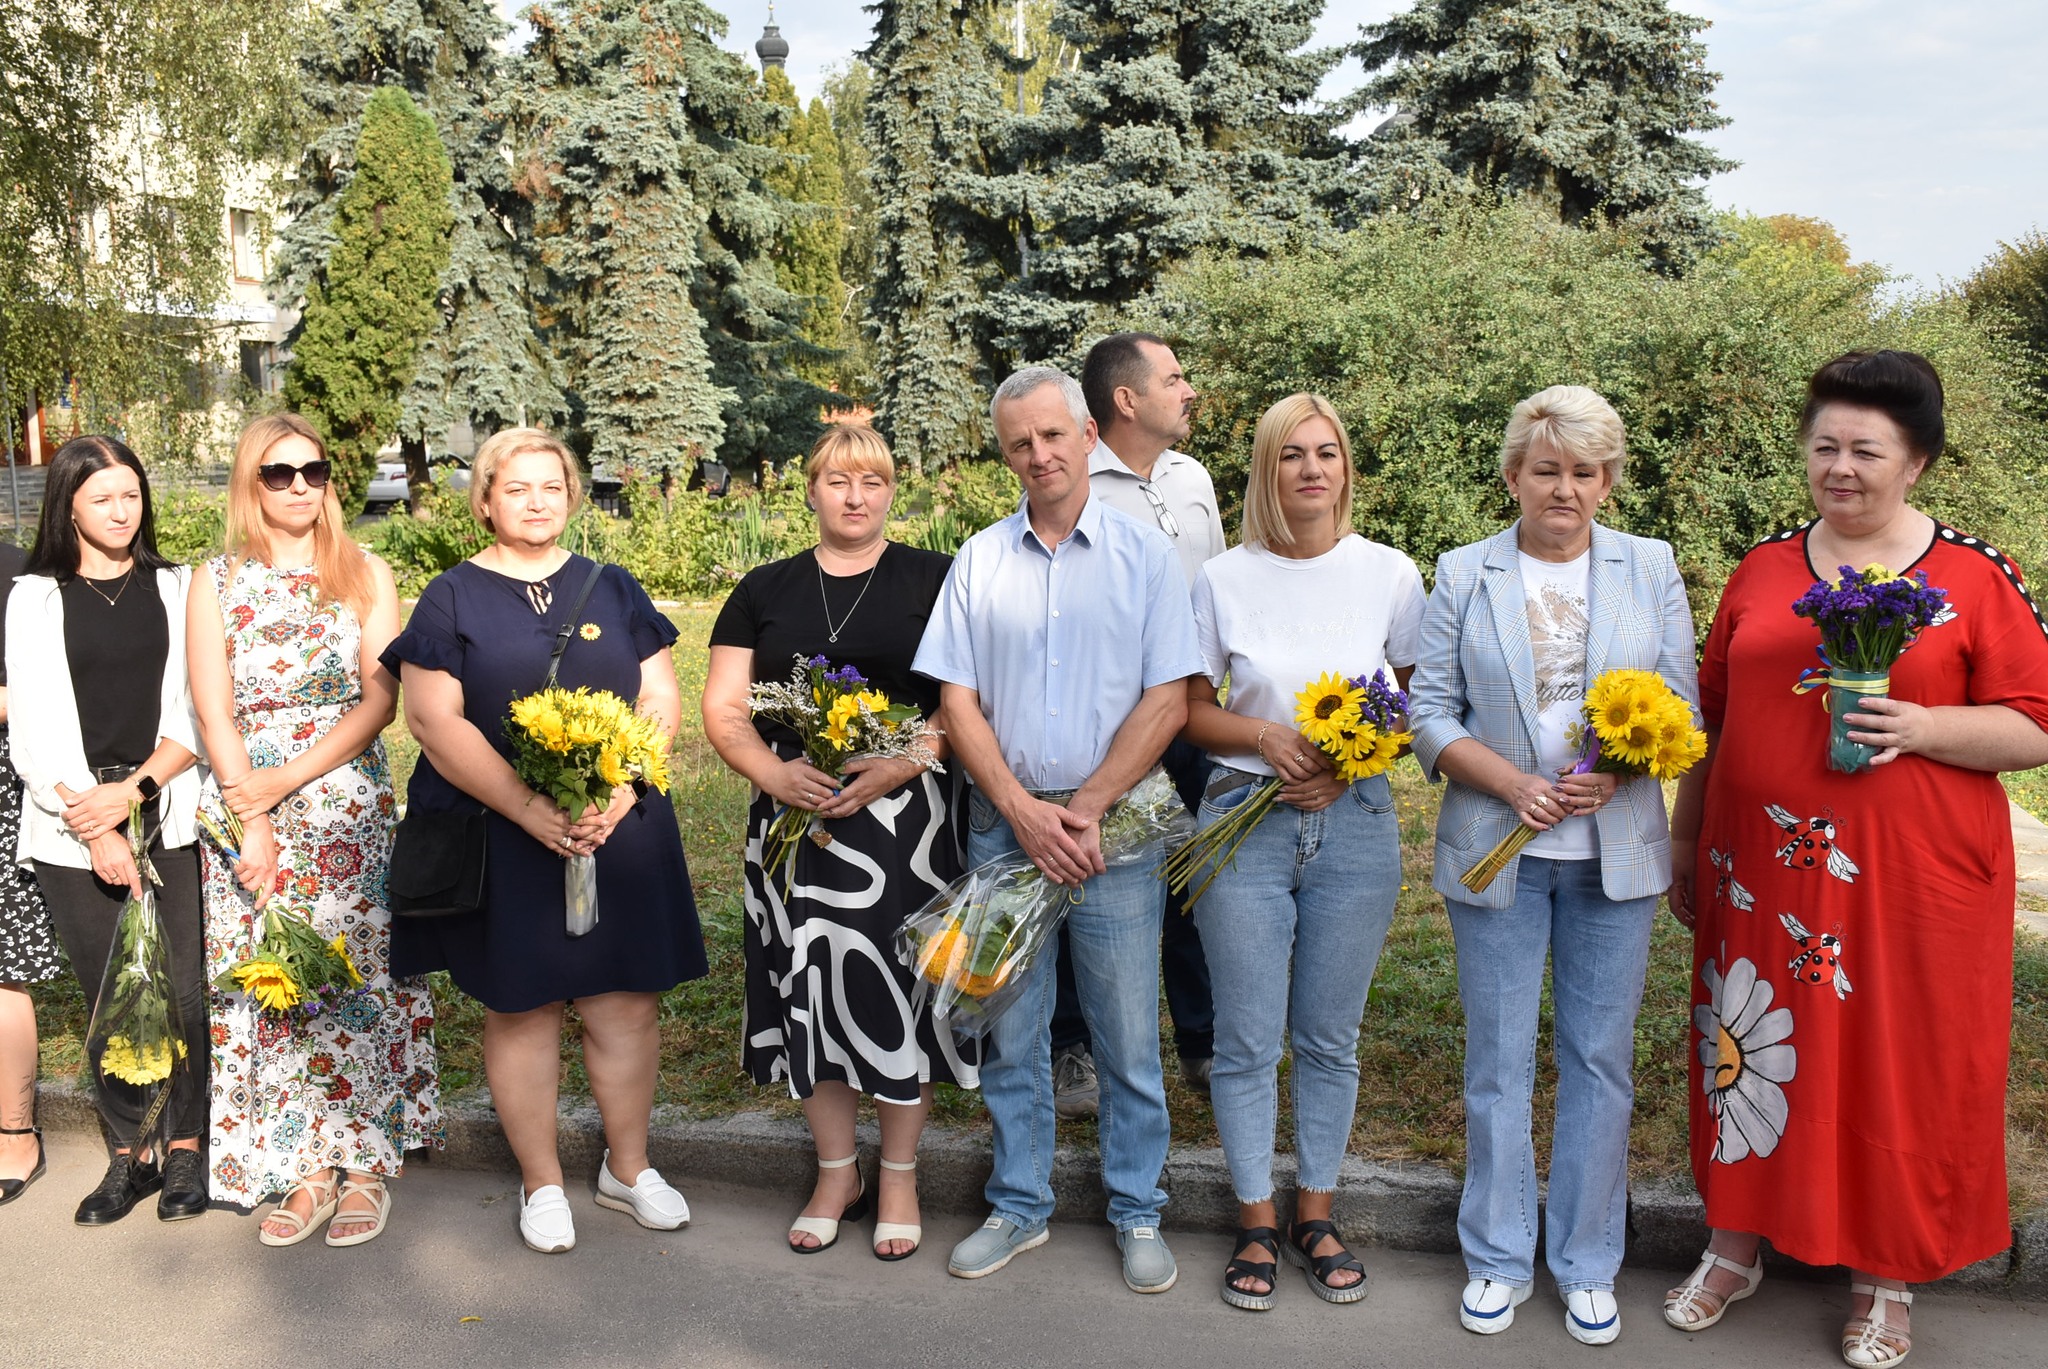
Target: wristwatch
{"points": [[147, 788]]}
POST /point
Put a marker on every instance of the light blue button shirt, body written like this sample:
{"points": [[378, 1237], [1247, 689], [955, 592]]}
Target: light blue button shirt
{"points": [[1060, 642]]}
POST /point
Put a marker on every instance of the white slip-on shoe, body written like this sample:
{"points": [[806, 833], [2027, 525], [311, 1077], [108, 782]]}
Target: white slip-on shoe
{"points": [[1488, 1305], [1591, 1315], [649, 1198], [545, 1223]]}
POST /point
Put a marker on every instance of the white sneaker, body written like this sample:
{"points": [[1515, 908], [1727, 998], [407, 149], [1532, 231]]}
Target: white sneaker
{"points": [[544, 1221], [1488, 1306], [1591, 1315], [652, 1202]]}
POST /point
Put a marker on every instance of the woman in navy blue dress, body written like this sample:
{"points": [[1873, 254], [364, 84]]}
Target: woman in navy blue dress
{"points": [[479, 638]]}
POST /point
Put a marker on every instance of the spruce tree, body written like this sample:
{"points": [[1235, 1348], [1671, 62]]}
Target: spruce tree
{"points": [[932, 109], [1583, 106], [807, 257], [359, 341], [483, 362], [1187, 125], [846, 106], [606, 155]]}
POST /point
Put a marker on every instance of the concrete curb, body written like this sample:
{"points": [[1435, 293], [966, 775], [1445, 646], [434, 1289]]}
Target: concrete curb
{"points": [[1402, 1206]]}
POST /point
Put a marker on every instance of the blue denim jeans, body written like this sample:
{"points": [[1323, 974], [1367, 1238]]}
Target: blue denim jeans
{"points": [[1599, 950], [1293, 929], [1114, 935]]}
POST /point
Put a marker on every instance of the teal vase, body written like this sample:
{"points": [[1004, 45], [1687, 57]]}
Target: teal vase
{"points": [[1846, 691]]}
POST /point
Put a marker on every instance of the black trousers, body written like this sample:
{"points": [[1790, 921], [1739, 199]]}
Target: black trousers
{"points": [[84, 910]]}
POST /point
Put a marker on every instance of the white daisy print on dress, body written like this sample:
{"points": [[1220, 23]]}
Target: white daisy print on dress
{"points": [[1819, 959], [1725, 886], [1811, 844], [1746, 1059]]}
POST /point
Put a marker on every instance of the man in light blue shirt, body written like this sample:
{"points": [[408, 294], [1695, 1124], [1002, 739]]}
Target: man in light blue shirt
{"points": [[1062, 641]]}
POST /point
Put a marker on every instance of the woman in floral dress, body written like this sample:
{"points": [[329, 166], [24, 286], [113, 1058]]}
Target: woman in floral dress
{"points": [[321, 1108]]}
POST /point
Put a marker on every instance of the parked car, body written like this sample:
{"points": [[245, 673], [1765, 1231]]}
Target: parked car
{"points": [[388, 488]]}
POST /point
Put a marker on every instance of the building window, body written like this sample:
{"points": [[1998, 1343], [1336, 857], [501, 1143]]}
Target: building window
{"points": [[263, 366], [247, 232]]}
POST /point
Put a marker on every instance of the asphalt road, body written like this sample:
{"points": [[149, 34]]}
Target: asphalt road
{"points": [[449, 1284]]}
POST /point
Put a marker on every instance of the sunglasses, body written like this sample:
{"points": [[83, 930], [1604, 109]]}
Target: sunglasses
{"points": [[278, 477]]}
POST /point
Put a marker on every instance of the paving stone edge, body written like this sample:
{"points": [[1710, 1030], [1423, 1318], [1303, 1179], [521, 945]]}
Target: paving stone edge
{"points": [[1405, 1206]]}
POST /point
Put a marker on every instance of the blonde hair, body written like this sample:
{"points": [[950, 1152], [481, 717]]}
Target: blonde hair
{"points": [[850, 447], [1572, 421], [501, 447], [1264, 523], [341, 571]]}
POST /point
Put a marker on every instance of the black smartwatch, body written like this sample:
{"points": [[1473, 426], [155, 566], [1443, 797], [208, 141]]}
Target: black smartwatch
{"points": [[147, 788]]}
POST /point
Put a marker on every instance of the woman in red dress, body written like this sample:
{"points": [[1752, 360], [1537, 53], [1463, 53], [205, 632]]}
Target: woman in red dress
{"points": [[1852, 996]]}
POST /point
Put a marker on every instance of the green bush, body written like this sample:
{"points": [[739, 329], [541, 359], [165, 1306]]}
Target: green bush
{"points": [[1424, 332], [191, 524]]}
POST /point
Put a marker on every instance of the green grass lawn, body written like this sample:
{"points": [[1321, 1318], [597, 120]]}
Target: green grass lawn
{"points": [[1410, 1058]]}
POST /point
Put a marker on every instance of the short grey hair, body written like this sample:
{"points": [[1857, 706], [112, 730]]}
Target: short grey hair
{"points": [[1031, 379]]}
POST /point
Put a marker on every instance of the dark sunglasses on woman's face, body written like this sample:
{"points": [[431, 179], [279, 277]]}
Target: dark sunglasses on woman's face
{"points": [[278, 476]]}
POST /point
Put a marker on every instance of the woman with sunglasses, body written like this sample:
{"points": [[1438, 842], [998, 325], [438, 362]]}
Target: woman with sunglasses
{"points": [[101, 720], [283, 637]]}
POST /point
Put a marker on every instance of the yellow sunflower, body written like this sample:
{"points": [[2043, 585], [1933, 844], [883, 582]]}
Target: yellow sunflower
{"points": [[1327, 709], [269, 983], [340, 948], [612, 768]]}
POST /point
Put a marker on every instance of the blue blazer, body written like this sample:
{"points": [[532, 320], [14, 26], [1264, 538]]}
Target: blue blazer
{"points": [[1476, 678]]}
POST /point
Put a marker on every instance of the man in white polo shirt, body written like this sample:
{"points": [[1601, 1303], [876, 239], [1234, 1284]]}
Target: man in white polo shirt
{"points": [[1142, 405]]}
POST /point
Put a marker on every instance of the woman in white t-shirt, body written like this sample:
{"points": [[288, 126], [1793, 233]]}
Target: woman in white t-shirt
{"points": [[1518, 625], [1292, 929]]}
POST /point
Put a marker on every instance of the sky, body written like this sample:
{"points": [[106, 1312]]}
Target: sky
{"points": [[1907, 125]]}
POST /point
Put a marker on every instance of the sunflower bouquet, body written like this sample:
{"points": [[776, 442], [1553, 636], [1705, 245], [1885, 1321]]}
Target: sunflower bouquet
{"points": [[838, 717], [1361, 724], [973, 943], [1867, 619], [577, 746], [291, 972], [1635, 724], [137, 1034]]}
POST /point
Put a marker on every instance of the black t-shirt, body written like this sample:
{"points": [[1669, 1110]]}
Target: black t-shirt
{"points": [[117, 652], [777, 613]]}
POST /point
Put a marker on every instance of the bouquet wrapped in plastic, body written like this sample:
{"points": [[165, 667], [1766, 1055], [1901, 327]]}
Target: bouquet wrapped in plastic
{"points": [[576, 746], [137, 1033], [973, 945], [1867, 619]]}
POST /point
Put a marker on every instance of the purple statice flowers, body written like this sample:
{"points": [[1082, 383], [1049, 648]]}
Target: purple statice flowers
{"points": [[1385, 707], [846, 675], [1868, 618]]}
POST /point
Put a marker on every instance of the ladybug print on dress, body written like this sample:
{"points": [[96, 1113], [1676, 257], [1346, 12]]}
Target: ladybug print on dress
{"points": [[1819, 958], [1726, 887], [1811, 844]]}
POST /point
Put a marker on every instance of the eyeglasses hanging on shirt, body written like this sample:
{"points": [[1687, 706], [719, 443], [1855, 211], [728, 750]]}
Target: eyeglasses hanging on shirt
{"points": [[1168, 524]]}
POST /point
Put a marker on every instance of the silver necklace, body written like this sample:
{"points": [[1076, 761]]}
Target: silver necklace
{"points": [[831, 632]]}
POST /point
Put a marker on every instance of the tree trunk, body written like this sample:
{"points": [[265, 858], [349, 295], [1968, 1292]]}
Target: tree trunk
{"points": [[419, 479]]}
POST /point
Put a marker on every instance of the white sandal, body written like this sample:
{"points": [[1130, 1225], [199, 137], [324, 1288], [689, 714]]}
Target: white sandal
{"points": [[1872, 1342], [897, 1231], [826, 1229], [378, 1194], [321, 1191], [1692, 1306]]}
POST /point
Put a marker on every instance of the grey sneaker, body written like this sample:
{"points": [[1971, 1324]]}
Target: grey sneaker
{"points": [[991, 1246], [1148, 1264], [1074, 1090]]}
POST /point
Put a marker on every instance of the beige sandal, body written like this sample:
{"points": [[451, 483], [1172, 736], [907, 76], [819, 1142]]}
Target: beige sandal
{"points": [[897, 1231], [380, 1198], [1873, 1342], [1692, 1306], [321, 1190]]}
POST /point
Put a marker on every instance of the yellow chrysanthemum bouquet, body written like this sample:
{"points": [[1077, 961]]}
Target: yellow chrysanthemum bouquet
{"points": [[838, 716], [137, 1034], [577, 746], [1361, 724], [290, 972], [1635, 724]]}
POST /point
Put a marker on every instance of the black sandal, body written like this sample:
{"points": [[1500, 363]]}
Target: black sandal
{"points": [[1267, 1239], [10, 1189], [1301, 1238]]}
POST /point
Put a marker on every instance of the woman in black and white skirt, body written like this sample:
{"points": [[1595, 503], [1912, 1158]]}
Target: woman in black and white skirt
{"points": [[28, 955], [829, 1007]]}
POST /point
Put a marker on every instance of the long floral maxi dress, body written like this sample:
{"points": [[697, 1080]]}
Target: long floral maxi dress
{"points": [[355, 1087], [1852, 991]]}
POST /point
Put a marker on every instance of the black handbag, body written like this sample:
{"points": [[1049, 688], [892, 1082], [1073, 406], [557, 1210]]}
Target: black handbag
{"points": [[438, 859]]}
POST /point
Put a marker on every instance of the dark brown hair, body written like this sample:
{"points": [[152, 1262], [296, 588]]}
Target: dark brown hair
{"points": [[1904, 386]]}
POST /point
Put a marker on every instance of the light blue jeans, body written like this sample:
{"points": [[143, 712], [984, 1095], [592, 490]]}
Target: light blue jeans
{"points": [[1599, 950], [1113, 939], [1292, 930]]}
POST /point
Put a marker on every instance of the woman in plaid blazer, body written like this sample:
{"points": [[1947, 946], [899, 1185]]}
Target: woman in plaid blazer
{"points": [[1516, 629]]}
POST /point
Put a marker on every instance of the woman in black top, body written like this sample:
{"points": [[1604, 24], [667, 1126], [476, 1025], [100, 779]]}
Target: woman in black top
{"points": [[102, 720], [828, 1005], [28, 955]]}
